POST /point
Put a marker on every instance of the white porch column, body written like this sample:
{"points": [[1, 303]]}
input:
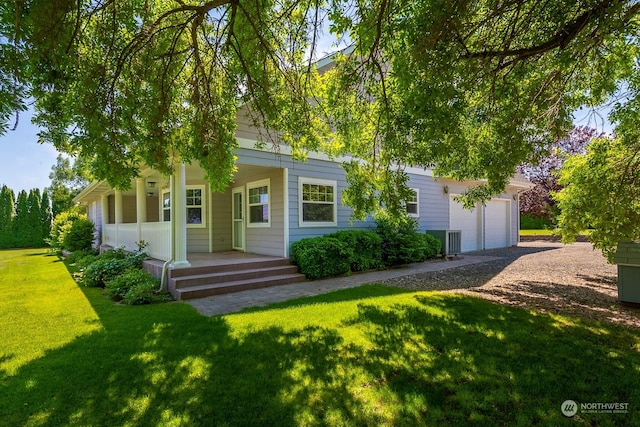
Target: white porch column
{"points": [[141, 206], [179, 217], [118, 211], [104, 204]]}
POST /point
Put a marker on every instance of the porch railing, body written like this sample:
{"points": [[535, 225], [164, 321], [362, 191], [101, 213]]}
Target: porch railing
{"points": [[156, 234]]}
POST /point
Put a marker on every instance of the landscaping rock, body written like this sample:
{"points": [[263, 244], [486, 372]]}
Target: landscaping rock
{"points": [[547, 277]]}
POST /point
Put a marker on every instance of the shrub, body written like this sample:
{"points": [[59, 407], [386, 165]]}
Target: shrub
{"points": [[78, 235], [432, 246], [145, 293], [71, 230], [111, 264], [366, 248], [78, 256], [530, 222], [134, 287], [401, 241], [319, 257]]}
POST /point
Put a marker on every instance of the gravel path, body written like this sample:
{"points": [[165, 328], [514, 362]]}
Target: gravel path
{"points": [[548, 277]]}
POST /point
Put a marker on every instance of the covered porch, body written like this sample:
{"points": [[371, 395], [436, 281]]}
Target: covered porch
{"points": [[181, 220]]}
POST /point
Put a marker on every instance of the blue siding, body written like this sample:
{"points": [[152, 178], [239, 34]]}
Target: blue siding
{"points": [[433, 201]]}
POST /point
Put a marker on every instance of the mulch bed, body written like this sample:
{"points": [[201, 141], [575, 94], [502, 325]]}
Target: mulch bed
{"points": [[546, 277]]}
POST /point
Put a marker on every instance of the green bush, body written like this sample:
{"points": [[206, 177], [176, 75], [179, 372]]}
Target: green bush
{"points": [[109, 265], [529, 222], [135, 287], [366, 247], [71, 230], [432, 246], [77, 256], [402, 243], [78, 235], [319, 257]]}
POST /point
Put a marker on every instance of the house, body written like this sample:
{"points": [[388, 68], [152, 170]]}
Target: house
{"points": [[273, 202]]}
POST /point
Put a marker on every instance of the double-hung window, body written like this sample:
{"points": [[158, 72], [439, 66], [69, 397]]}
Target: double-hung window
{"points": [[317, 202], [195, 206], [412, 205], [166, 205], [259, 205]]}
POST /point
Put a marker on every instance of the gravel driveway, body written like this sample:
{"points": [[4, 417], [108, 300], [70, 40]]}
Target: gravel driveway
{"points": [[549, 277]]}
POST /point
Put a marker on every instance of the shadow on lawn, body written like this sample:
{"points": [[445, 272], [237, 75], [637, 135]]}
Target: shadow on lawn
{"points": [[437, 359]]}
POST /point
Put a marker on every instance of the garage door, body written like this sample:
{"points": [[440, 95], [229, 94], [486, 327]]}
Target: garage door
{"points": [[496, 224], [465, 221]]}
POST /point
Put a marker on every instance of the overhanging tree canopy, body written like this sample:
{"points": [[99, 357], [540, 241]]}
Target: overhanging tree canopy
{"points": [[472, 88]]}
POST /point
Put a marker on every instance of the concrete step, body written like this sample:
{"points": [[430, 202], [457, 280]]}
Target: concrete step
{"points": [[205, 290], [230, 276]]}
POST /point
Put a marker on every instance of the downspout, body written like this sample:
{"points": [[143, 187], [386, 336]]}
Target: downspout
{"points": [[164, 275]]}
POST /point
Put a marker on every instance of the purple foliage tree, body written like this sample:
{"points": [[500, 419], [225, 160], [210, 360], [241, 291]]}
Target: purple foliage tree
{"points": [[538, 201]]}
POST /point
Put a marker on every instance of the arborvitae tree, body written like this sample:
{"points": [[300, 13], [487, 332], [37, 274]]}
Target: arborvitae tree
{"points": [[7, 214], [21, 221], [33, 230], [45, 216]]}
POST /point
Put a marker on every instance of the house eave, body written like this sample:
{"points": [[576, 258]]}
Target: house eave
{"points": [[91, 192]]}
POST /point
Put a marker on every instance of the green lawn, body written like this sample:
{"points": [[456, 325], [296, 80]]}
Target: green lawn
{"points": [[372, 355], [536, 232]]}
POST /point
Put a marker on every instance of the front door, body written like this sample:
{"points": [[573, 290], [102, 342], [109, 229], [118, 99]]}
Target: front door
{"points": [[238, 218]]}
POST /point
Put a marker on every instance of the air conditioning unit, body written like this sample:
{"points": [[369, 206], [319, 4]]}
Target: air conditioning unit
{"points": [[454, 242], [451, 241]]}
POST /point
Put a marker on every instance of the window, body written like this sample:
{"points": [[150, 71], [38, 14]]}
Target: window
{"points": [[411, 204], [258, 204], [195, 207], [166, 205], [317, 206]]}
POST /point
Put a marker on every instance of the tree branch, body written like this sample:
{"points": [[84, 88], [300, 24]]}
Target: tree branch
{"points": [[560, 39]]}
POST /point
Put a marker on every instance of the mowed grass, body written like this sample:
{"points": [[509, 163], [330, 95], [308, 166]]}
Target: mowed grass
{"points": [[372, 355], [539, 232]]}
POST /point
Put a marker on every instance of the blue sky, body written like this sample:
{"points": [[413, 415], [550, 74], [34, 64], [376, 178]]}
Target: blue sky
{"points": [[25, 164]]}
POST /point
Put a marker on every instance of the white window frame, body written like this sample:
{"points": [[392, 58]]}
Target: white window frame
{"points": [[317, 181], [250, 186], [203, 206], [416, 203], [162, 207]]}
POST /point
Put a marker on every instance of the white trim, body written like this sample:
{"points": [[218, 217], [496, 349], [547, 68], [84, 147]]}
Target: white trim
{"points": [[243, 244], [326, 182], [285, 196], [210, 207], [250, 186], [202, 206], [284, 149], [162, 208], [417, 203]]}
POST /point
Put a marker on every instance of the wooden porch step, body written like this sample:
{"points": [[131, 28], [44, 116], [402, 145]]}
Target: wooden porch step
{"points": [[232, 266], [201, 291], [231, 276]]}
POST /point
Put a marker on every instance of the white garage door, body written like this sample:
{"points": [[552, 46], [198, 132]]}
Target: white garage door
{"points": [[465, 221], [496, 224]]}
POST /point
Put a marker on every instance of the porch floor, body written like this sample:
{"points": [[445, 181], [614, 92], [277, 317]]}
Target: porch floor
{"points": [[199, 259]]}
